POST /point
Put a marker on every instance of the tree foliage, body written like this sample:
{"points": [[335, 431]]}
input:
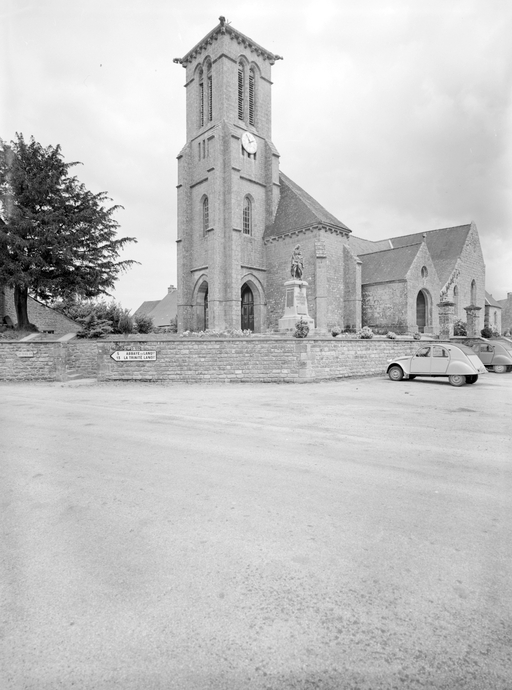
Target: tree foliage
{"points": [[57, 238]]}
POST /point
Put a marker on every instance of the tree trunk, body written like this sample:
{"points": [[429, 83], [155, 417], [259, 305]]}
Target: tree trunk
{"points": [[20, 304]]}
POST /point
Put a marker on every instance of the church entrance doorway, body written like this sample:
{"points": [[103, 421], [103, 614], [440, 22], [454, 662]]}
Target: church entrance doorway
{"points": [[422, 311], [247, 316], [201, 308]]}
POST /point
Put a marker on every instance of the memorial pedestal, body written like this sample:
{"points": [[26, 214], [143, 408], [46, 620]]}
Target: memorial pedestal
{"points": [[296, 307]]}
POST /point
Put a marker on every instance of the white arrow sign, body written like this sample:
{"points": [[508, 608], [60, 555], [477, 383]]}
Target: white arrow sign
{"points": [[134, 355]]}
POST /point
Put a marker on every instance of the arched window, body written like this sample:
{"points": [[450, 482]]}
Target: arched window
{"points": [[456, 300], [247, 217], [473, 292], [241, 89], [252, 96], [209, 90], [206, 215], [201, 97], [424, 272]]}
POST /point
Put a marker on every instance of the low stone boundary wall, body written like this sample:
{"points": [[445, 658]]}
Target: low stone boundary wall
{"points": [[197, 360]]}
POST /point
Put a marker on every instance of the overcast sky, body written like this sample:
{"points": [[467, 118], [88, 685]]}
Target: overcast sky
{"points": [[394, 114]]}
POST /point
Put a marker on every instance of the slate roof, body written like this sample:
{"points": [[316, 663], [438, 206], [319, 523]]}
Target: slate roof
{"points": [[161, 311], [166, 309], [388, 265], [146, 308], [489, 299], [297, 209], [444, 245], [360, 246]]}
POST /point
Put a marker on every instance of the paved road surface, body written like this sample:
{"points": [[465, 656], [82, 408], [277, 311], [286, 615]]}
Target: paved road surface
{"points": [[335, 536]]}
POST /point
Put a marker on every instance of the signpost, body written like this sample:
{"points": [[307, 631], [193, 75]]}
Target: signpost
{"points": [[134, 355]]}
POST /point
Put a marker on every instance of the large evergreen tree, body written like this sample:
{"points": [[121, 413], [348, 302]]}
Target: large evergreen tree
{"points": [[57, 238]]}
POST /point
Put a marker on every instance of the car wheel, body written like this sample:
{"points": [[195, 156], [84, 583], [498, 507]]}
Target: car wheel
{"points": [[472, 379], [457, 379], [396, 373], [412, 377], [500, 368]]}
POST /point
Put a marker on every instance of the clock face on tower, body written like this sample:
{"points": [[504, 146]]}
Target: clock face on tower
{"points": [[249, 142]]}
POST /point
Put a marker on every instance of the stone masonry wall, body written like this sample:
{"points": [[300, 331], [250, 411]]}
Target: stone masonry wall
{"points": [[385, 306], [276, 359]]}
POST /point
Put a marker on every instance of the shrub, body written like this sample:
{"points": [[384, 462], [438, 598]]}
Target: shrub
{"points": [[124, 323], [486, 332], [391, 335], [335, 331], [92, 327], [301, 329], [365, 333], [460, 327], [143, 323], [495, 332], [417, 336]]}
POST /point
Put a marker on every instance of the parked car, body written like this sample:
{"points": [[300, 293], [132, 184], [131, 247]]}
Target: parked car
{"points": [[496, 355], [457, 362]]}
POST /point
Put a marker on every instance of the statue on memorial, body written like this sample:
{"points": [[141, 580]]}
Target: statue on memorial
{"points": [[297, 267]]}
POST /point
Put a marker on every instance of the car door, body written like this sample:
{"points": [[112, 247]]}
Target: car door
{"points": [[420, 362], [439, 360], [486, 354]]}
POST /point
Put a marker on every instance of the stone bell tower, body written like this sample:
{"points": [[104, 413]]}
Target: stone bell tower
{"points": [[228, 183]]}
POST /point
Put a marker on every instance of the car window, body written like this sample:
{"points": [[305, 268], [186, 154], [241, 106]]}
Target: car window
{"points": [[467, 350], [439, 351], [424, 352]]}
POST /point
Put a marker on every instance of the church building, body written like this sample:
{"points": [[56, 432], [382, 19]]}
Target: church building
{"points": [[240, 219]]}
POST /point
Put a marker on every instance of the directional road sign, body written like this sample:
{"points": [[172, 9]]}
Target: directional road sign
{"points": [[134, 355]]}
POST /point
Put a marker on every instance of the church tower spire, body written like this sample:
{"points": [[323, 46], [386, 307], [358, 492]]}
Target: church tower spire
{"points": [[228, 182]]}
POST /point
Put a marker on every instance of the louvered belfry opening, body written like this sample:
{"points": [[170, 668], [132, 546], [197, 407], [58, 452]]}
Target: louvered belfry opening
{"points": [[241, 86], [252, 97], [201, 98], [209, 84]]}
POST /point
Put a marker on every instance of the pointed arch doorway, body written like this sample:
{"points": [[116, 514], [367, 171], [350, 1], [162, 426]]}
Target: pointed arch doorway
{"points": [[422, 311], [247, 313]]}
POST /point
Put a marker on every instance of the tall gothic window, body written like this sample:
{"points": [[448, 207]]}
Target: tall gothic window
{"points": [[206, 215], [201, 97], [473, 292], [241, 89], [456, 300], [209, 86], [247, 217], [252, 96]]}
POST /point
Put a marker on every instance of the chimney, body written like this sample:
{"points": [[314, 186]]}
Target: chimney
{"points": [[170, 289]]}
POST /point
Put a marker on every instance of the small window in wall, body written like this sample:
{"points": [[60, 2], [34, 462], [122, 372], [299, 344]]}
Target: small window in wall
{"points": [[424, 272], [241, 88], [247, 217], [206, 215]]}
